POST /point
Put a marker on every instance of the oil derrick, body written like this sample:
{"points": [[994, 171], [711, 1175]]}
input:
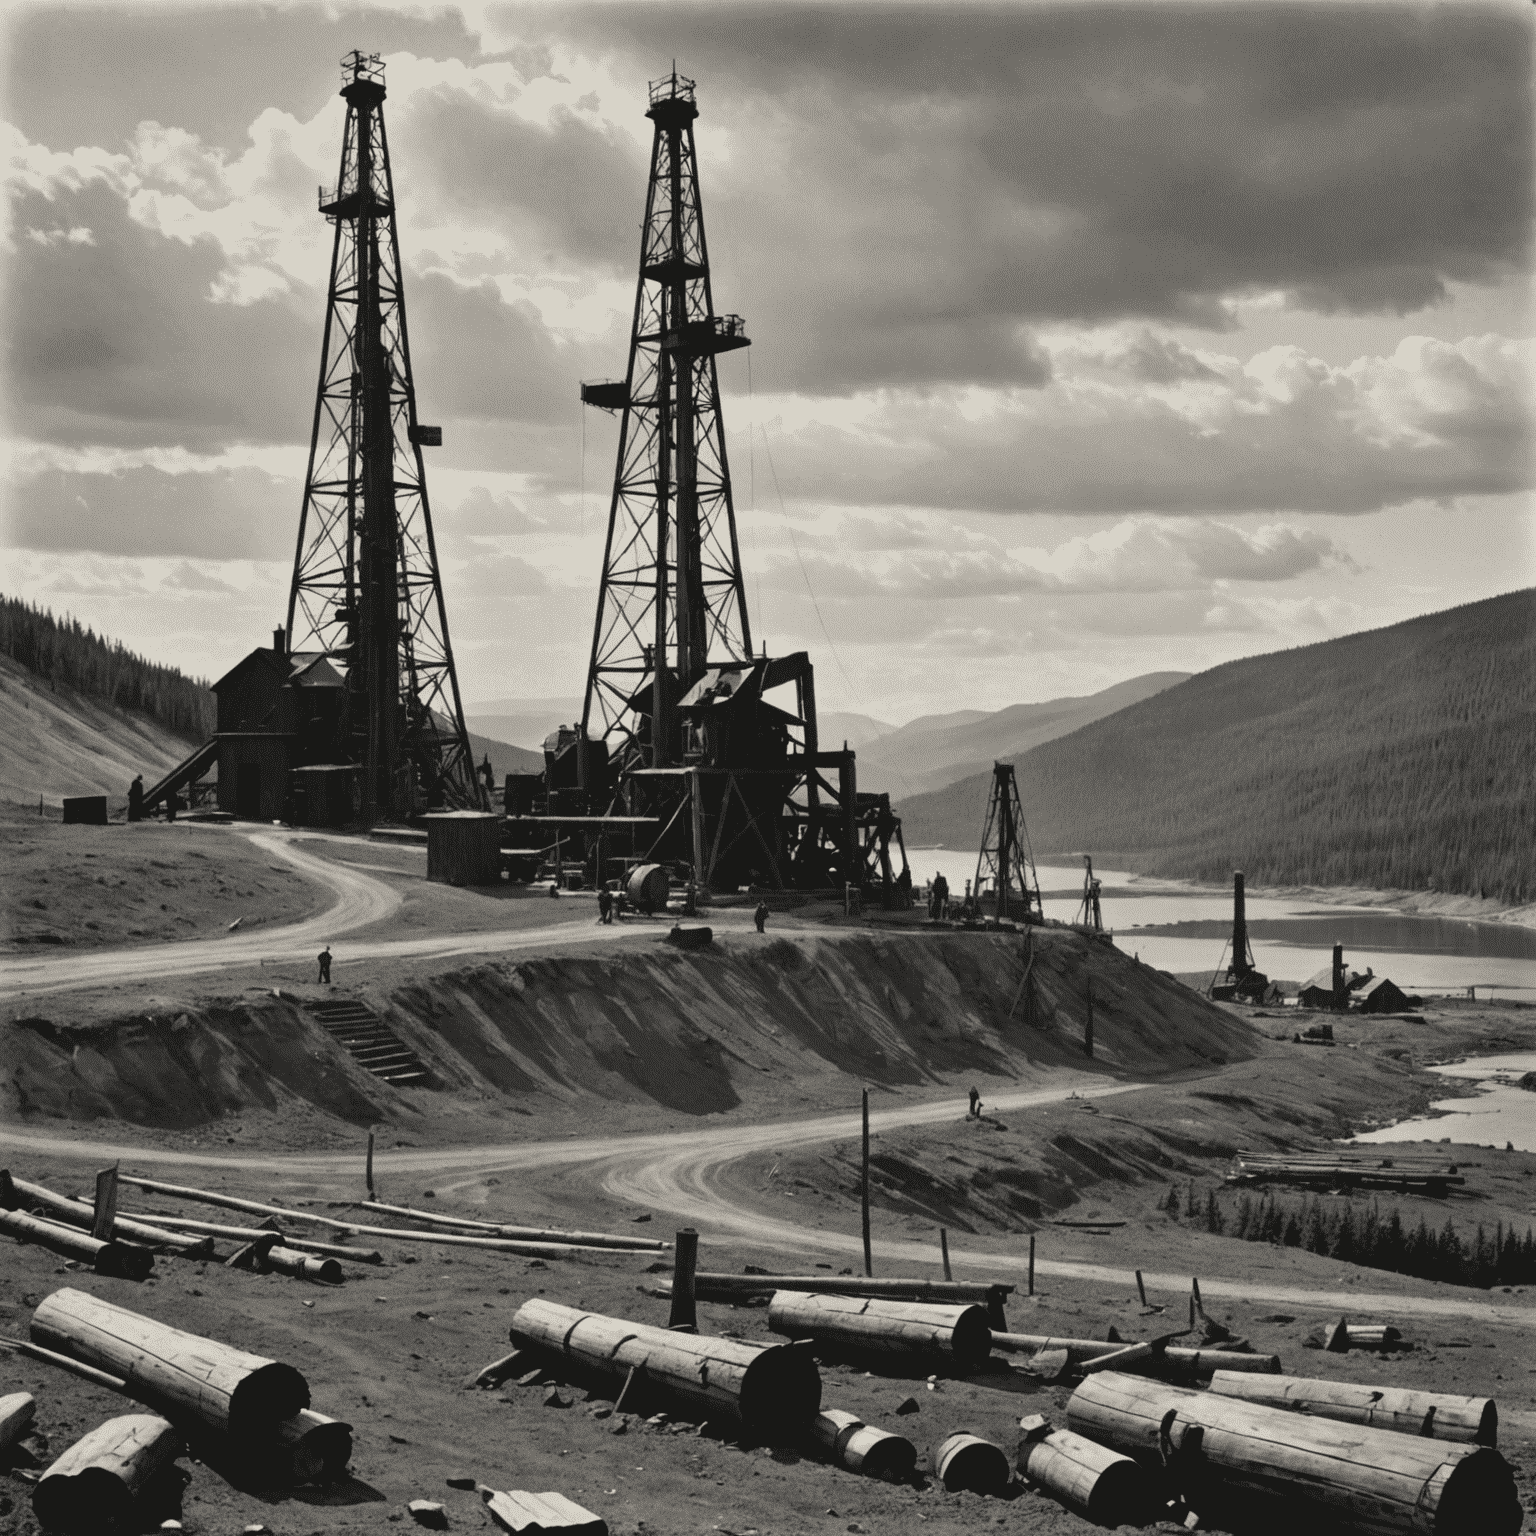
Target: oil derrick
{"points": [[1005, 868], [678, 733], [366, 590], [1089, 914], [1242, 977]]}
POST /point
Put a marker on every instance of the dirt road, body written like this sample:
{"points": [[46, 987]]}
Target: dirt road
{"points": [[681, 1174]]}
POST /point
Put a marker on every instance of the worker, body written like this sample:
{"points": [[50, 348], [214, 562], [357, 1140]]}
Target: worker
{"points": [[604, 905], [136, 798], [324, 957], [940, 896], [760, 917], [975, 1105], [488, 774]]}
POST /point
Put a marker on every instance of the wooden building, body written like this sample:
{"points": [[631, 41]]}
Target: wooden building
{"points": [[1379, 995]]}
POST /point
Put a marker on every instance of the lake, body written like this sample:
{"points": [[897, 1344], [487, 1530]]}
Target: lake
{"points": [[1501, 1113], [1179, 926]]}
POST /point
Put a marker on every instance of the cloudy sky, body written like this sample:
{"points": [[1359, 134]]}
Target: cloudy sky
{"points": [[1088, 339]]}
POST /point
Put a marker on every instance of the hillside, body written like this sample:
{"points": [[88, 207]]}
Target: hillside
{"points": [[522, 722], [935, 750], [1399, 758]]}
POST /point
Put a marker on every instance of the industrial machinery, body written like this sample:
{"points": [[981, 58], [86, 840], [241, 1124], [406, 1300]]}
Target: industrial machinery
{"points": [[691, 750], [1005, 867], [1089, 914], [1241, 978], [366, 593]]}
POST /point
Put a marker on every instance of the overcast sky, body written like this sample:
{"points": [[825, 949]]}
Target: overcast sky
{"points": [[1088, 340]]}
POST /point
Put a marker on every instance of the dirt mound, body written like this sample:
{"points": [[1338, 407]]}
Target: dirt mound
{"points": [[696, 1033]]}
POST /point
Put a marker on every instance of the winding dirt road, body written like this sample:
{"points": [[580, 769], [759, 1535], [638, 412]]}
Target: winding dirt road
{"points": [[682, 1174]]}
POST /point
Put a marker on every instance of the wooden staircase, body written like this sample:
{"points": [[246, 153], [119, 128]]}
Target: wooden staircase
{"points": [[371, 1041]]}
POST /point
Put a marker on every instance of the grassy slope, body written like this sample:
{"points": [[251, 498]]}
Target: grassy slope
{"points": [[1397, 758]]}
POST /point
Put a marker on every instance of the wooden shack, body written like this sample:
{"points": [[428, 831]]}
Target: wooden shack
{"points": [[463, 848], [1379, 995]]}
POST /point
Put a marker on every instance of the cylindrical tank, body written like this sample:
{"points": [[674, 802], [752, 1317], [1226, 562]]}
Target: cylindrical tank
{"points": [[647, 888]]}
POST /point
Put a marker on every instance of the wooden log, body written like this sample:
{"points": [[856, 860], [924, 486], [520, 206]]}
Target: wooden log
{"points": [[395, 1234], [65, 1363], [317, 1448], [953, 1336], [1432, 1415], [1190, 1361], [16, 1413], [249, 1234], [302, 1266], [233, 1393], [1108, 1488], [104, 1211], [531, 1514], [967, 1463], [78, 1214], [771, 1390], [862, 1448], [1233, 1459], [497, 1371], [531, 1234], [718, 1286], [1031, 1264], [114, 1258], [91, 1487]]}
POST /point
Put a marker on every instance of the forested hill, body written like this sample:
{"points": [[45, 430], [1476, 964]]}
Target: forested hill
{"points": [[1398, 758], [65, 654]]}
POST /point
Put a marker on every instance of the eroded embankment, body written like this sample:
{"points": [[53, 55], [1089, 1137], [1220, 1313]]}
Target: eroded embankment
{"points": [[696, 1033]]}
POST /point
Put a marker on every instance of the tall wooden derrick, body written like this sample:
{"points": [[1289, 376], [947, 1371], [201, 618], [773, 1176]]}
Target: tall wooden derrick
{"points": [[678, 725], [1005, 867], [367, 592]]}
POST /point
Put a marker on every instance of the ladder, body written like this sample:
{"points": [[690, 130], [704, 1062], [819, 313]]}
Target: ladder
{"points": [[372, 1043]]}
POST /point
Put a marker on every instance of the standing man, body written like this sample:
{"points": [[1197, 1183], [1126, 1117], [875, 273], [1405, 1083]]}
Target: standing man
{"points": [[488, 774], [136, 798], [940, 896], [975, 1105], [760, 917], [604, 905], [324, 958]]}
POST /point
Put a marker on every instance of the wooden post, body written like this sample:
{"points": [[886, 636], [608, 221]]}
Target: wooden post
{"points": [[1141, 1288], [1088, 1026], [106, 1204], [957, 1337], [944, 1252], [1031, 1263], [91, 1487], [773, 1391], [869, 1262], [1235, 1459], [78, 1214], [369, 1171], [685, 1260]]}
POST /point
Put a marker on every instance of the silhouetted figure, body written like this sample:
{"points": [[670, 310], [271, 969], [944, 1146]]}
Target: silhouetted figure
{"points": [[940, 897], [136, 798], [605, 905], [760, 917], [488, 774], [975, 1105], [324, 957]]}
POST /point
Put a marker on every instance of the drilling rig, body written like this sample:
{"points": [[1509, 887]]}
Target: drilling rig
{"points": [[367, 594], [1242, 977], [692, 750], [1089, 913], [1005, 867]]}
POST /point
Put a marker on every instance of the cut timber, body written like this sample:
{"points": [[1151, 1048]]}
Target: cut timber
{"points": [[1110, 1489], [91, 1487], [318, 1449], [16, 1411], [860, 1448], [239, 1395], [528, 1234], [528, 1514], [302, 1266], [1190, 1362], [1231, 1459], [250, 1234], [1432, 1415], [717, 1287], [967, 1463], [114, 1258], [395, 1234], [78, 1214], [955, 1336], [771, 1390], [65, 1363]]}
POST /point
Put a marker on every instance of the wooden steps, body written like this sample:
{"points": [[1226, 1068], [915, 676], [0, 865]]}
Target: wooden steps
{"points": [[371, 1042]]}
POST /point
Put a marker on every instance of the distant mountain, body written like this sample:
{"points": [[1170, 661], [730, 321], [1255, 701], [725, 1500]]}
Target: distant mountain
{"points": [[833, 729], [1396, 758], [505, 758], [935, 750], [523, 722]]}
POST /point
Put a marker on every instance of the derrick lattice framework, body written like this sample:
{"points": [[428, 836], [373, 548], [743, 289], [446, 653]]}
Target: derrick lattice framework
{"points": [[1005, 866], [366, 587], [672, 600]]}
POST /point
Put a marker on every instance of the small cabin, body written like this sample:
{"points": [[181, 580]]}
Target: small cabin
{"points": [[1379, 995]]}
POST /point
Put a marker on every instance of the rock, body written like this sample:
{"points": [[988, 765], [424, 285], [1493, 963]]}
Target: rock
{"points": [[908, 1405], [644, 1216], [603, 1411], [620, 1424], [468, 1483], [425, 1512], [537, 1264], [553, 1399]]}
